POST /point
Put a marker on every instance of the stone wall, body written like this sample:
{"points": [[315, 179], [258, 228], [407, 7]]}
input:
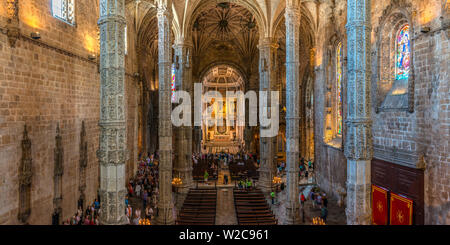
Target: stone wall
{"points": [[46, 82], [424, 131], [433, 122]]}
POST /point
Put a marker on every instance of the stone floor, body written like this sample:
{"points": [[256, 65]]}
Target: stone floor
{"points": [[225, 214], [336, 215]]}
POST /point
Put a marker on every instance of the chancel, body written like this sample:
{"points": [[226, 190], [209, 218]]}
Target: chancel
{"points": [[224, 112]]}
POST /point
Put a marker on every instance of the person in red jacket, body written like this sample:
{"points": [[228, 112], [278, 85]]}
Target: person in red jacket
{"points": [[302, 199]]}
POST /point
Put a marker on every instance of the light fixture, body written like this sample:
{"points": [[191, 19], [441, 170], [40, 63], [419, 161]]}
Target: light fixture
{"points": [[425, 29], [177, 182], [92, 56], [35, 35]]}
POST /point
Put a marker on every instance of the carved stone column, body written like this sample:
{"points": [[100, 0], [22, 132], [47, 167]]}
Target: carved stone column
{"points": [[358, 147], [25, 174], [267, 82], [12, 26], [82, 166], [183, 164], [165, 205], [292, 16], [57, 174], [197, 130], [113, 149]]}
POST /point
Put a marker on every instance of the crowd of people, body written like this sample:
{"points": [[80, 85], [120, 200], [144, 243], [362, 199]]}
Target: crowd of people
{"points": [[306, 168], [245, 184], [87, 217], [144, 186], [319, 200], [214, 160], [226, 158]]}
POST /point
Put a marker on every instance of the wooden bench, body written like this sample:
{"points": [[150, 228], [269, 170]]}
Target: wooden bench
{"points": [[252, 208], [199, 208]]}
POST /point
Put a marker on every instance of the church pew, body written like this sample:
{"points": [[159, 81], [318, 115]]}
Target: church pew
{"points": [[199, 208], [252, 208]]}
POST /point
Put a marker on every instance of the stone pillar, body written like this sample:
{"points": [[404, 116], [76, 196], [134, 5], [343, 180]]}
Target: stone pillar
{"points": [[25, 177], [183, 165], [267, 82], [82, 166], [165, 205], [358, 147], [112, 153], [292, 16], [58, 171]]}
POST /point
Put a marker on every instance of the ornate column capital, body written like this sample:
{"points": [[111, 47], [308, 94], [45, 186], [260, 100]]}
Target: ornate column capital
{"points": [[268, 42], [164, 9], [293, 3]]}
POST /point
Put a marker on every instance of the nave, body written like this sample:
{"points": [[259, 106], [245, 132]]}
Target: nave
{"points": [[356, 112]]}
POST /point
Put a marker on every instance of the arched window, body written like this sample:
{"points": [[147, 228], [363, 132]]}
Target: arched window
{"points": [[339, 90], [334, 115], [64, 10], [403, 57], [395, 85]]}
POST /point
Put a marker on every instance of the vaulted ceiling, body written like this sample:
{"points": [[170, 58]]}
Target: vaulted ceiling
{"points": [[226, 24], [216, 27]]}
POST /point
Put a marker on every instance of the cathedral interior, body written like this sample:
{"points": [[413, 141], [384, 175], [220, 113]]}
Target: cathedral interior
{"points": [[88, 95]]}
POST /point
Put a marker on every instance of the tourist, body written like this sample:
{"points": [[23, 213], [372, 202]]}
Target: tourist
{"points": [[87, 221], [319, 199], [150, 213], [302, 199], [129, 212], [312, 196], [324, 213], [136, 220], [205, 176], [325, 200], [130, 189], [147, 212], [96, 204], [144, 198], [138, 213], [272, 195], [138, 190]]}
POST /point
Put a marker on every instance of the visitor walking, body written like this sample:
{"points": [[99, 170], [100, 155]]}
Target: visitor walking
{"points": [[272, 195]]}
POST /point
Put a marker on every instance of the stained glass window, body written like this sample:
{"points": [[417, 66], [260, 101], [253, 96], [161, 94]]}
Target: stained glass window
{"points": [[403, 58], [339, 88], [64, 10]]}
